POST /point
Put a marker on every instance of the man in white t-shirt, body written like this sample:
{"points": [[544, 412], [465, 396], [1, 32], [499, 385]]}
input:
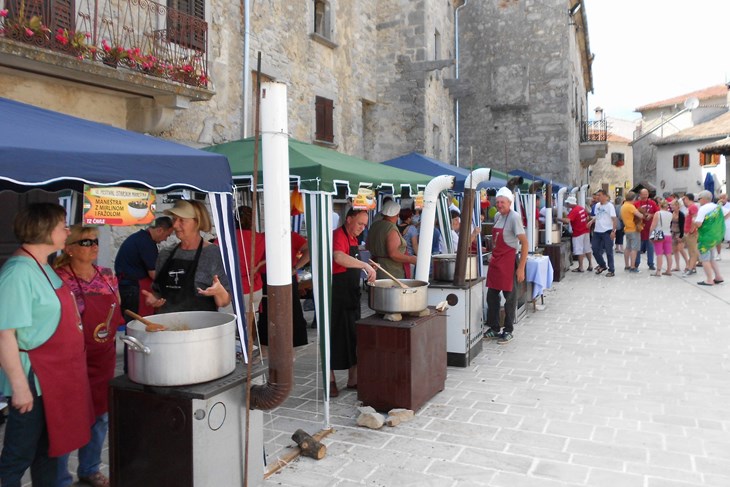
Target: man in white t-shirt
{"points": [[604, 231]]}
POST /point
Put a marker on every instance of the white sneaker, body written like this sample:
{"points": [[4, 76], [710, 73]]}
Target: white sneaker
{"points": [[718, 258]]}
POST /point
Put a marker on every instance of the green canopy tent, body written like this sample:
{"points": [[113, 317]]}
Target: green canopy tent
{"points": [[318, 171], [318, 168]]}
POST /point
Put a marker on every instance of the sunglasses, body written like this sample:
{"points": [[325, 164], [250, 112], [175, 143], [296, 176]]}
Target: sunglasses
{"points": [[86, 242]]}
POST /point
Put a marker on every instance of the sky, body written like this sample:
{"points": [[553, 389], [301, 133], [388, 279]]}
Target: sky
{"points": [[651, 50]]}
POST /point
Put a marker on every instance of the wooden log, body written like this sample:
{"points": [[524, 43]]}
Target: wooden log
{"points": [[309, 446], [281, 462]]}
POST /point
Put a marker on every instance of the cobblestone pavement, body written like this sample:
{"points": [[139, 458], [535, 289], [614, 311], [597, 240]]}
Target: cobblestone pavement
{"points": [[619, 382]]}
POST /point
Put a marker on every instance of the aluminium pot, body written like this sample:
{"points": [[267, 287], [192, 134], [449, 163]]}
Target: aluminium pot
{"points": [[388, 297], [444, 266], [198, 346]]}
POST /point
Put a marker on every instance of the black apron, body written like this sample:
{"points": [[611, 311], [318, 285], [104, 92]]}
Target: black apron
{"points": [[345, 313], [176, 283]]}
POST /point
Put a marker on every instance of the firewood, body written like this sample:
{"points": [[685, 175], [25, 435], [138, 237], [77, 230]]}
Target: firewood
{"points": [[309, 446]]}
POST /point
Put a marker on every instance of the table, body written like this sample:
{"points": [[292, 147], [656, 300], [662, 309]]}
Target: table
{"points": [[401, 364], [539, 271]]}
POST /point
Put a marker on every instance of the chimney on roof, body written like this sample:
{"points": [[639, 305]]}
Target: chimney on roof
{"points": [[599, 113]]}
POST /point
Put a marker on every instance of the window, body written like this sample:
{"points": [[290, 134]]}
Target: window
{"points": [[324, 109], [186, 24], [55, 15], [436, 141], [707, 159], [680, 161], [436, 46], [322, 24], [617, 159]]}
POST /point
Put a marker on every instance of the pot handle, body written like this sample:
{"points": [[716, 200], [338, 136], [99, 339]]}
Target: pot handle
{"points": [[135, 344]]}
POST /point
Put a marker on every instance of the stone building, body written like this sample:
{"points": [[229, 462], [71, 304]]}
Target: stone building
{"points": [[525, 71]]}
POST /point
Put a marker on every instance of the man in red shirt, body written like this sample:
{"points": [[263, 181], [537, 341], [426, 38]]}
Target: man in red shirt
{"points": [[648, 207], [578, 219]]}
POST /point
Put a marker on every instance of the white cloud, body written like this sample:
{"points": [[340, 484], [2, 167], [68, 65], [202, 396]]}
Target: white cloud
{"points": [[650, 50]]}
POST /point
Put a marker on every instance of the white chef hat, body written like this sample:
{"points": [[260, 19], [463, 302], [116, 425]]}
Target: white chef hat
{"points": [[505, 192]]}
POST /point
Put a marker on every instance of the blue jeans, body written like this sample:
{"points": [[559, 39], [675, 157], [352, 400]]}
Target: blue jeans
{"points": [[89, 454], [648, 247], [26, 445], [602, 243]]}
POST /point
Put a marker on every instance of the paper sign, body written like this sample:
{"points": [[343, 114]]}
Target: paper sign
{"points": [[365, 199], [118, 206], [418, 201]]}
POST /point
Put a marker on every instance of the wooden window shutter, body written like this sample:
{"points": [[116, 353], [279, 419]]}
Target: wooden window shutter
{"points": [[324, 127], [186, 24]]}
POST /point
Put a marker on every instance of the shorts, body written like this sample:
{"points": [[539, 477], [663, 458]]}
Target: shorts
{"points": [[690, 240], [709, 255], [663, 247], [582, 244], [632, 241]]}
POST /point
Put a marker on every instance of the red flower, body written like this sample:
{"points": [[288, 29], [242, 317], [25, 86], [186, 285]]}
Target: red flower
{"points": [[4, 12]]}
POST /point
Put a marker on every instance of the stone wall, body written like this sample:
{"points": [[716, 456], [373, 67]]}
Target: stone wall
{"points": [[524, 95]]}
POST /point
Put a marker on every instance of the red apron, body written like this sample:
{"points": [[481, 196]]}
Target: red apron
{"points": [[501, 269], [60, 366], [145, 284], [99, 332]]}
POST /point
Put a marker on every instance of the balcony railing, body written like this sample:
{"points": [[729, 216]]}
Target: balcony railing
{"points": [[594, 131], [140, 35]]}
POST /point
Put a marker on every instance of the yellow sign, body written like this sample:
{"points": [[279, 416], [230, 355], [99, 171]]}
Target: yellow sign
{"points": [[418, 201], [365, 199], [118, 206]]}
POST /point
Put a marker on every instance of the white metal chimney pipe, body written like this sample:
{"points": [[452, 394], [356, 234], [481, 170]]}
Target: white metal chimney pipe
{"points": [[582, 195], [428, 217], [275, 162], [477, 176], [561, 198]]}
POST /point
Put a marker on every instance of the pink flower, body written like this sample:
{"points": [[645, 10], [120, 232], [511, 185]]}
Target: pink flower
{"points": [[4, 12], [28, 32], [106, 45], [88, 35]]}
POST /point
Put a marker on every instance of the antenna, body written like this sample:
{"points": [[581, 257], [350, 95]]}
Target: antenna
{"points": [[691, 103]]}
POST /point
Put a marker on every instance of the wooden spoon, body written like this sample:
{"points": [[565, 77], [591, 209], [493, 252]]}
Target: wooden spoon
{"points": [[397, 281], [150, 327]]}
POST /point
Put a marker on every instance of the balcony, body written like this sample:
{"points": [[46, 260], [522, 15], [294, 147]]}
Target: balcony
{"points": [[135, 47], [593, 141]]}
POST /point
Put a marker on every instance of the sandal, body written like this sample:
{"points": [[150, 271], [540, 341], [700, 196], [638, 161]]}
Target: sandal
{"points": [[333, 389], [600, 269], [96, 479], [718, 281], [590, 269], [667, 273], [703, 283], [577, 270]]}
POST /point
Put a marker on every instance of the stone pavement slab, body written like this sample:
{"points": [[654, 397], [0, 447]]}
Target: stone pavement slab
{"points": [[620, 381]]}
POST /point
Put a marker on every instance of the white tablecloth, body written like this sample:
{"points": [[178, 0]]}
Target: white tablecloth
{"points": [[539, 271]]}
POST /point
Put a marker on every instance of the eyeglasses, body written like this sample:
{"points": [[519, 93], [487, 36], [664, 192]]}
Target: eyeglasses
{"points": [[86, 242]]}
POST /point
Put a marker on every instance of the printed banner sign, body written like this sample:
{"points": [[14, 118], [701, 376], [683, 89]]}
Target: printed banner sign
{"points": [[418, 201], [118, 206], [365, 199]]}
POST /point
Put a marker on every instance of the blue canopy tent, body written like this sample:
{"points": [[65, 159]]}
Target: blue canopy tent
{"points": [[431, 167], [52, 151]]}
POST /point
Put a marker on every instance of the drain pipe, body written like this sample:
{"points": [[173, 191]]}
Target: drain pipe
{"points": [[561, 199], [456, 48], [275, 150], [428, 217], [246, 67], [467, 211], [582, 194]]}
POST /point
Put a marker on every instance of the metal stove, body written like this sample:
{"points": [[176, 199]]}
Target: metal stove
{"points": [[183, 436], [463, 318]]}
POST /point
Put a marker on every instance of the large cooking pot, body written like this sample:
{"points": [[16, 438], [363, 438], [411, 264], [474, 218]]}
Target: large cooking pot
{"points": [[444, 266], [388, 297], [198, 346]]}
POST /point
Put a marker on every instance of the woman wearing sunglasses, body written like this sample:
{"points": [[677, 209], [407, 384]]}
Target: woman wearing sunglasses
{"points": [[97, 297]]}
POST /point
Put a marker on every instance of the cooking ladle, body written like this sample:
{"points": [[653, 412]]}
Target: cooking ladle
{"points": [[150, 327], [397, 281]]}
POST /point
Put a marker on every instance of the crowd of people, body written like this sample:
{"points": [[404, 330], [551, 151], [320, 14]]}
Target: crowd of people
{"points": [[676, 233]]}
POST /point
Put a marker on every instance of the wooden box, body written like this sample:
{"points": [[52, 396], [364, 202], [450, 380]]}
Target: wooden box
{"points": [[401, 364]]}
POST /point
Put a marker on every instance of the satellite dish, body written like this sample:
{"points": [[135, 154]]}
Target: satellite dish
{"points": [[691, 103]]}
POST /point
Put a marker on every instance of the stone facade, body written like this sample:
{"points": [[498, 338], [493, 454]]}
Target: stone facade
{"points": [[525, 87]]}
